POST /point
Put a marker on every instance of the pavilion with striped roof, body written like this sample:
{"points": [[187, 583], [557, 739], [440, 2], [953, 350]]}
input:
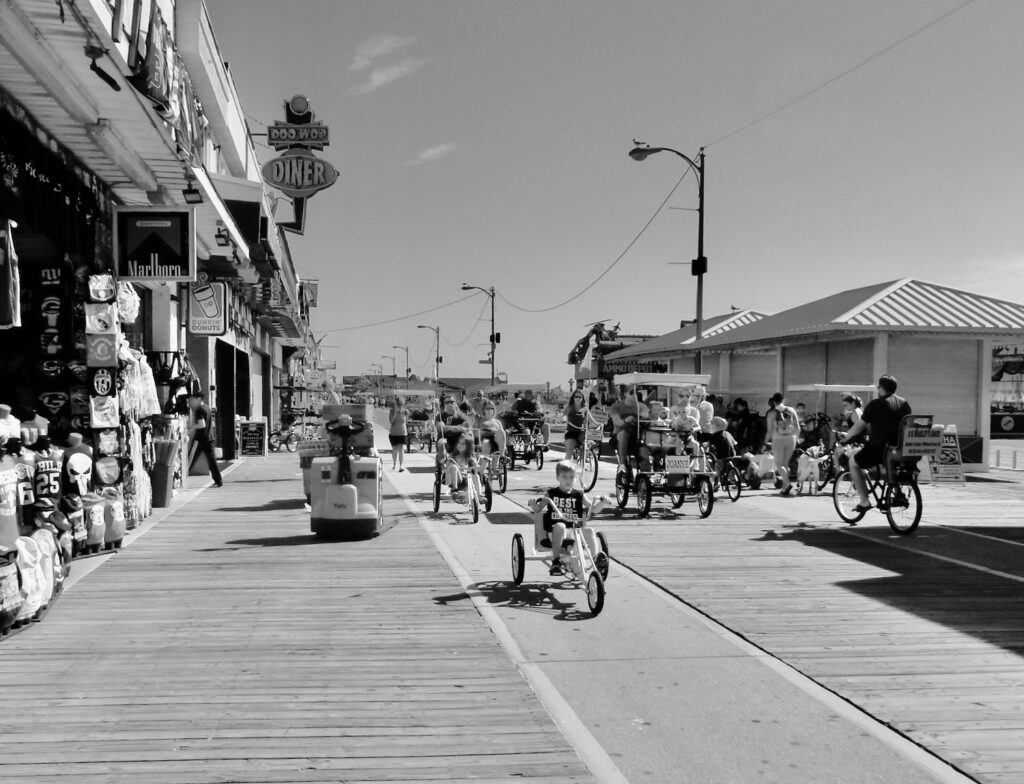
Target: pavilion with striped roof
{"points": [[936, 340]]}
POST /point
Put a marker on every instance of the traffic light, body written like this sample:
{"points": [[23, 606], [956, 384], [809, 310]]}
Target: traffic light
{"points": [[496, 337]]}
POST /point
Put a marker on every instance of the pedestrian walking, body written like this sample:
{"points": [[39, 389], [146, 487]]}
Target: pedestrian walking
{"points": [[398, 433], [199, 427], [783, 428]]}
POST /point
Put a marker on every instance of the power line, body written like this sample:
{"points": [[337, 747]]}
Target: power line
{"points": [[400, 318], [607, 269], [471, 329], [839, 76]]}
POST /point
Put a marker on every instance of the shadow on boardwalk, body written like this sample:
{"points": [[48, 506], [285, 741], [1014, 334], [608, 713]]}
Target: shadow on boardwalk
{"points": [[986, 606]]}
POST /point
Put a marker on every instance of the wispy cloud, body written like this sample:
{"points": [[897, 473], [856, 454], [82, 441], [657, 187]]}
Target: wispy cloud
{"points": [[386, 74], [377, 46], [435, 153]]}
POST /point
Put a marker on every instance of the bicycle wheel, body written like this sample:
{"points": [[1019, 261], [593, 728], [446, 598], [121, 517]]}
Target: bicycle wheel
{"points": [[643, 496], [292, 442], [677, 498], [502, 476], [845, 499], [274, 442], [595, 593], [731, 483], [825, 471], [474, 507], [705, 496], [518, 559], [589, 468], [903, 505], [622, 483], [488, 497], [511, 457], [539, 454], [437, 496]]}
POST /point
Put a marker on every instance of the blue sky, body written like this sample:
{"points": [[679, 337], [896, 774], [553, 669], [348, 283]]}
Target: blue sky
{"points": [[486, 142]]}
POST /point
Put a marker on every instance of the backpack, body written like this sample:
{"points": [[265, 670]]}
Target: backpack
{"points": [[785, 423]]}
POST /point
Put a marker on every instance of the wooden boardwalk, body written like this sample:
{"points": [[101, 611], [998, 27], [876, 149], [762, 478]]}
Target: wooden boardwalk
{"points": [[933, 648], [229, 645]]}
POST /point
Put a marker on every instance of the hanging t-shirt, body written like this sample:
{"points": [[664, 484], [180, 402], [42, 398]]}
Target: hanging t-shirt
{"points": [[47, 474], [10, 528], [10, 281], [25, 470]]}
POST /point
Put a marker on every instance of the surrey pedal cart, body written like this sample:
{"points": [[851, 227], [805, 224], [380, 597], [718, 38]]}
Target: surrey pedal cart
{"points": [[579, 559], [420, 423], [345, 488], [660, 462]]}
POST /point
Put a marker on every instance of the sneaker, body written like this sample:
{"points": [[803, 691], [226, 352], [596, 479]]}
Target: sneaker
{"points": [[556, 568]]}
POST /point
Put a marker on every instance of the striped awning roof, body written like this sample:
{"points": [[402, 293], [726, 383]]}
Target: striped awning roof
{"points": [[914, 303], [680, 338], [905, 305]]}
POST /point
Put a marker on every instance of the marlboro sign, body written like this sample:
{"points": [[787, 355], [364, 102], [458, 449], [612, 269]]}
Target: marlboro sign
{"points": [[155, 244]]}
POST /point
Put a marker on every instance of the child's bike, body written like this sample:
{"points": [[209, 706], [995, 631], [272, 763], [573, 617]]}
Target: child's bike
{"points": [[473, 493], [583, 568]]}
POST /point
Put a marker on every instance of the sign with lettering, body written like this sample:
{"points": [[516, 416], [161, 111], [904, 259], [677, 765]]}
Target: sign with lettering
{"points": [[155, 244], [314, 136], [948, 465], [208, 309], [252, 437], [299, 173]]}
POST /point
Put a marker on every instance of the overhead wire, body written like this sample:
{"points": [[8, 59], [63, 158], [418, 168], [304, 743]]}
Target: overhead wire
{"points": [[607, 269], [400, 318], [471, 329], [837, 77]]}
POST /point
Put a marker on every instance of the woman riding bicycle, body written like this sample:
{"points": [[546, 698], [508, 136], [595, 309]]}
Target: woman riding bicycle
{"points": [[492, 433], [577, 420]]}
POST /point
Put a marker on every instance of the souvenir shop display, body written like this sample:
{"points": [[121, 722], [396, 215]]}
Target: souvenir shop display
{"points": [[11, 598], [10, 427]]}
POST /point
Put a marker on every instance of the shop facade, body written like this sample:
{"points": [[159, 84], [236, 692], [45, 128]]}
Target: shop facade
{"points": [[936, 340], [140, 257]]}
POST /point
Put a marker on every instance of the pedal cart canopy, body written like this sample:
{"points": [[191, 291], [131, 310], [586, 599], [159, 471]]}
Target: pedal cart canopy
{"points": [[662, 379]]}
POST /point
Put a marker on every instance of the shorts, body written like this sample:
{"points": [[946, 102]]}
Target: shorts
{"points": [[396, 440], [870, 456], [488, 438], [574, 433]]}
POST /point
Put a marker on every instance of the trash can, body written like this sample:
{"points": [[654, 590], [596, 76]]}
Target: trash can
{"points": [[166, 452]]}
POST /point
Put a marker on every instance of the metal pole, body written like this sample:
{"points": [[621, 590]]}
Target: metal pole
{"points": [[492, 336], [701, 262], [437, 358]]}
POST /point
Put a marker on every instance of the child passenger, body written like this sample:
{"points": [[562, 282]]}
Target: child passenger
{"points": [[458, 468], [571, 504]]}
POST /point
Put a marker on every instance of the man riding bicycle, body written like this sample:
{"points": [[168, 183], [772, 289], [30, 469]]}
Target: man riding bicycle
{"points": [[881, 418]]}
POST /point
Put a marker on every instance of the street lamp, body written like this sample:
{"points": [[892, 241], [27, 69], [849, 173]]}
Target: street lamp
{"points": [[490, 293], [406, 350], [394, 371], [437, 354], [699, 265], [380, 377]]}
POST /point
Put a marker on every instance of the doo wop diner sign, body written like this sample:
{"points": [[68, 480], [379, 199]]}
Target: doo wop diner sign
{"points": [[299, 173]]}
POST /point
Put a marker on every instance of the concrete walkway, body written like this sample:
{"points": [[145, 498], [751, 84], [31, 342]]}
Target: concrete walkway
{"points": [[227, 644]]}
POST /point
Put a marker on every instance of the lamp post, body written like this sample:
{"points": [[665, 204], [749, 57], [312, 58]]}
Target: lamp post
{"points": [[380, 377], [699, 265], [437, 354], [406, 350], [490, 293]]}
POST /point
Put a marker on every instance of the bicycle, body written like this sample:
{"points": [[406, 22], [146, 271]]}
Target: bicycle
{"points": [[587, 455], [578, 564], [898, 496]]}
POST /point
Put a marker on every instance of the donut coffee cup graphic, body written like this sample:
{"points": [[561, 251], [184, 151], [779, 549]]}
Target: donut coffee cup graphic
{"points": [[206, 298], [207, 308]]}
